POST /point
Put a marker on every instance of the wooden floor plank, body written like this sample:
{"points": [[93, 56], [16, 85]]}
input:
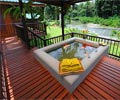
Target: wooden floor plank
{"points": [[109, 76], [62, 94], [104, 88], [105, 84], [28, 83], [92, 92], [110, 70], [99, 90], [43, 89], [28, 79], [85, 93], [111, 62], [78, 95], [52, 92], [37, 86], [109, 81]]}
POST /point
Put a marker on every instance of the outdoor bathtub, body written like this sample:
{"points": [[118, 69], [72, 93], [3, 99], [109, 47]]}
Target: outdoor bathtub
{"points": [[70, 82]]}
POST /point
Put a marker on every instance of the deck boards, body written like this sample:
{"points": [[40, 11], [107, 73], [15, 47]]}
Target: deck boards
{"points": [[27, 78]]}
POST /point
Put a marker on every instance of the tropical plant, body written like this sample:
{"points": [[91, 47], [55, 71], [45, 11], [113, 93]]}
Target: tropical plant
{"points": [[27, 8]]}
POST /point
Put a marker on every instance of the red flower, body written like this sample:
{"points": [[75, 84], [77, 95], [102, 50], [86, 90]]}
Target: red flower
{"points": [[84, 45]]}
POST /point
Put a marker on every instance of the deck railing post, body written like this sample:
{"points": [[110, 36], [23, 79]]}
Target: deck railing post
{"points": [[35, 41], [72, 34], [45, 44]]}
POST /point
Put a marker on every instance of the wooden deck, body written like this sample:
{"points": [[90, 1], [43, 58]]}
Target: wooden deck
{"points": [[27, 79]]}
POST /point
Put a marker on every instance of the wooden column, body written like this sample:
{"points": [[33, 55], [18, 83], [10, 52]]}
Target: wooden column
{"points": [[24, 24], [62, 18]]}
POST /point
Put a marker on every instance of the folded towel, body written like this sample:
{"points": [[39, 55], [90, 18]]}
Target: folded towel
{"points": [[68, 66]]}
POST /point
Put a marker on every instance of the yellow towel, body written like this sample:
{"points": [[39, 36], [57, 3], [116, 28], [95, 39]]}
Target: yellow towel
{"points": [[68, 66], [75, 61], [66, 62]]}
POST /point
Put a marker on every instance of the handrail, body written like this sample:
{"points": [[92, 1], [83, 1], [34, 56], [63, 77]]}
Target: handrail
{"points": [[35, 34], [37, 41], [56, 36], [98, 37], [37, 27], [114, 45]]}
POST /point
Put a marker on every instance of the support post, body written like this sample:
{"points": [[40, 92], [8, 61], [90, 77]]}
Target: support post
{"points": [[72, 34], [62, 18], [45, 44], [24, 24]]}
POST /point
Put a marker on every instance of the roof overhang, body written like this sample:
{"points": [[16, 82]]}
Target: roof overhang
{"points": [[60, 2], [16, 2], [40, 2]]}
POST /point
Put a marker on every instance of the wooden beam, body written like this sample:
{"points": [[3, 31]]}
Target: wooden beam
{"points": [[17, 3], [58, 2]]}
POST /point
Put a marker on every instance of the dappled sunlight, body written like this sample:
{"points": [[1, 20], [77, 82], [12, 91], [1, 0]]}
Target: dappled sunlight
{"points": [[10, 39], [10, 88], [12, 43], [13, 46]]}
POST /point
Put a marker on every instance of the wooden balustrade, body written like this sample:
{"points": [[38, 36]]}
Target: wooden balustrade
{"points": [[37, 30]]}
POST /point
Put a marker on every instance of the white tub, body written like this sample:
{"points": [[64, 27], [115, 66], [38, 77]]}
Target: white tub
{"points": [[70, 82]]}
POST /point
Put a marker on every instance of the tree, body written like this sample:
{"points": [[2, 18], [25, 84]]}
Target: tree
{"points": [[83, 9], [107, 8], [51, 12]]}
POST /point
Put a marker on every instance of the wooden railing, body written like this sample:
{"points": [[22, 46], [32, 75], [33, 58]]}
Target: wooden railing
{"points": [[114, 45], [36, 40], [31, 35], [37, 28]]}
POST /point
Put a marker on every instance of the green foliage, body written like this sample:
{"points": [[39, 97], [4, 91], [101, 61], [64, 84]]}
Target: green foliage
{"points": [[51, 12], [93, 34], [107, 8], [83, 9], [101, 8], [14, 10], [53, 31], [112, 21], [54, 23], [84, 20], [116, 33], [71, 30], [27, 8], [56, 31]]}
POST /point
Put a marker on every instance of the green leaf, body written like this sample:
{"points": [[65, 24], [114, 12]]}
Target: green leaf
{"points": [[7, 11]]}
